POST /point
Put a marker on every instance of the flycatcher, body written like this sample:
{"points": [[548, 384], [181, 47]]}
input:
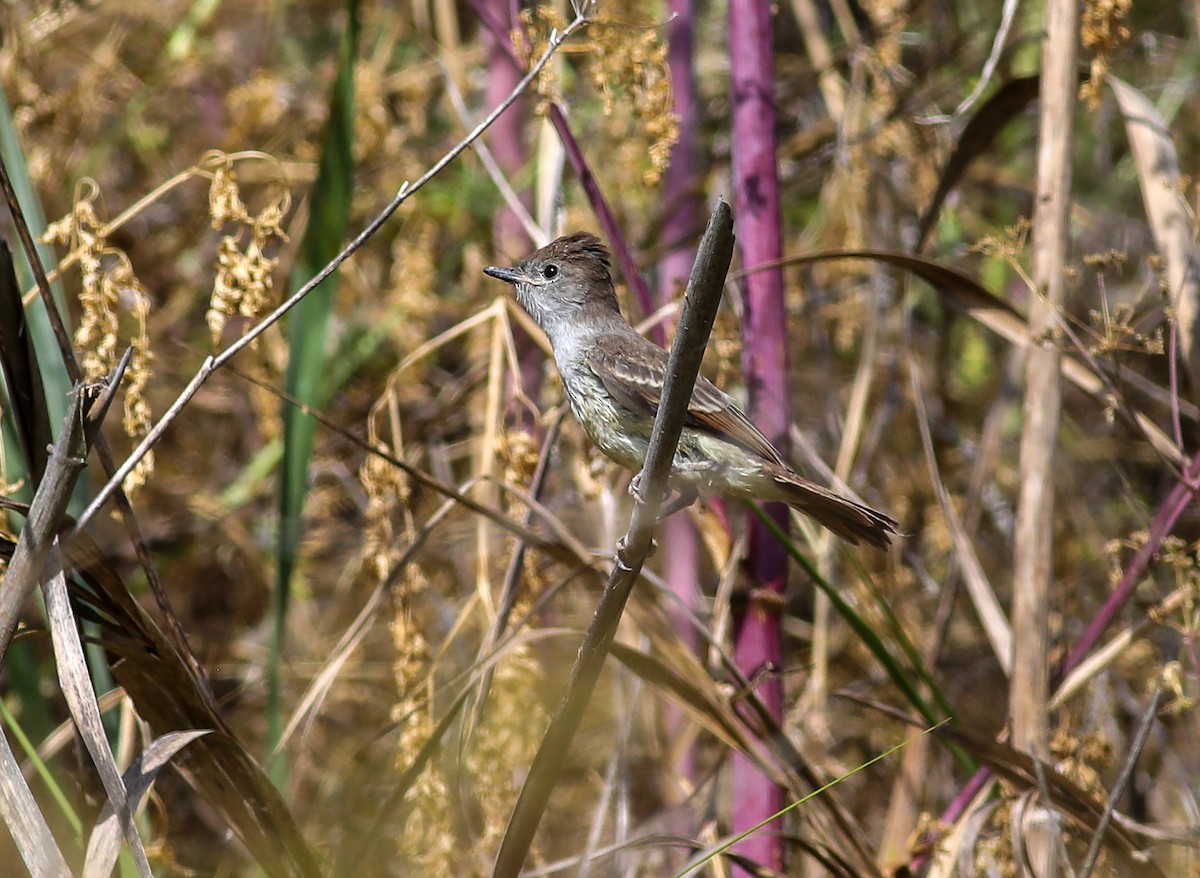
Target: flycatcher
{"points": [[614, 376]]}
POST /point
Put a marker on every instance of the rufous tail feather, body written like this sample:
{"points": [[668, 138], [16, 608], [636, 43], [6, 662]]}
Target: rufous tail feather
{"points": [[849, 520]]}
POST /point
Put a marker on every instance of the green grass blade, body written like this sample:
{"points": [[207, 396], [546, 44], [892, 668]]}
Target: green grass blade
{"points": [[712, 853], [916, 662], [308, 328], [898, 674], [54, 373], [44, 772], [351, 354]]}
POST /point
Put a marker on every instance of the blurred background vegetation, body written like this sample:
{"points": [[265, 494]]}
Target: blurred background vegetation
{"points": [[180, 155]]}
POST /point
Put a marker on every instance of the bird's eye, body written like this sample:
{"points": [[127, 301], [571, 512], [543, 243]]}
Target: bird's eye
{"points": [[550, 272]]}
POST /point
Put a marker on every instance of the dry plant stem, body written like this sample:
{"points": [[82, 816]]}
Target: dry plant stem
{"points": [[1033, 544], [829, 80], [212, 364], [703, 298], [826, 545], [89, 404], [1173, 382], [983, 596], [484, 465], [972, 511], [512, 576], [22, 814], [1034, 539], [1118, 790]]}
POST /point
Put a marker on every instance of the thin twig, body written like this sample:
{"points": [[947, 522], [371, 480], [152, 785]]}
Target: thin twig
{"points": [[1118, 790], [39, 274], [212, 364], [1007, 14], [512, 576], [511, 199], [87, 408]]}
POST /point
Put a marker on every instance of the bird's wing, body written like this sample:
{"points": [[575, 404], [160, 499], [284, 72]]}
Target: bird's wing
{"points": [[633, 370]]}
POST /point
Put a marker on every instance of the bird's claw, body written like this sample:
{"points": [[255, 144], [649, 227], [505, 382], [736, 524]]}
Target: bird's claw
{"points": [[623, 548], [680, 501], [635, 487]]}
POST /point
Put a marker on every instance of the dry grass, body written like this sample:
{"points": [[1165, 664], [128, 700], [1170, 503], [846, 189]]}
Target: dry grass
{"points": [[172, 149]]}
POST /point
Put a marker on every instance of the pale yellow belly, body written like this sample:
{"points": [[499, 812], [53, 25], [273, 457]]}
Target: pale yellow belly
{"points": [[702, 462]]}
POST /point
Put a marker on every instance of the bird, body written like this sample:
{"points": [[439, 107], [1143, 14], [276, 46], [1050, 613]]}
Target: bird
{"points": [[613, 378]]}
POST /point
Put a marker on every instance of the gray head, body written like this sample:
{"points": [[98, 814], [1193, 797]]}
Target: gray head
{"points": [[565, 281]]}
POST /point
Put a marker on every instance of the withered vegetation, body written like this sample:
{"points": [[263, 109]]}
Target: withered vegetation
{"points": [[172, 147]]}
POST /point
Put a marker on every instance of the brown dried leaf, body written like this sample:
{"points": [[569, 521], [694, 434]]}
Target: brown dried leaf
{"points": [[1157, 164]]}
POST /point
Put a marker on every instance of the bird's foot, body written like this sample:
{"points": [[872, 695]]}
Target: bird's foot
{"points": [[635, 487], [681, 500], [623, 547], [680, 466], [672, 503]]}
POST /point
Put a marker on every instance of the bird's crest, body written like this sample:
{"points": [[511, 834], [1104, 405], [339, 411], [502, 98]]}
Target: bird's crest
{"points": [[584, 249]]}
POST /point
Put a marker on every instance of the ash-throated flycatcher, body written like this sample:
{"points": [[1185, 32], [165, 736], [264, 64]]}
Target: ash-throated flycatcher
{"points": [[614, 377]]}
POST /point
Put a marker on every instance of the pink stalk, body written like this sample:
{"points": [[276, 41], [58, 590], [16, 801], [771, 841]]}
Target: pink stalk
{"points": [[1168, 514], [506, 139], [605, 216], [757, 644], [681, 218]]}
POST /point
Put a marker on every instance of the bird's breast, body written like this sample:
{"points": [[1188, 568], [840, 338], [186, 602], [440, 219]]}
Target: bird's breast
{"points": [[615, 431]]}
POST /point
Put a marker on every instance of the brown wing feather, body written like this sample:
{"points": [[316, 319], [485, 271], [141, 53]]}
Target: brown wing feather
{"points": [[633, 370]]}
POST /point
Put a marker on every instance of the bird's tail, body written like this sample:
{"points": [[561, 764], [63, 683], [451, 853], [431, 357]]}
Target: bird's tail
{"points": [[849, 520]]}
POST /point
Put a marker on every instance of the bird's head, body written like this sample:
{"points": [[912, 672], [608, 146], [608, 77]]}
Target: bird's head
{"points": [[567, 280]]}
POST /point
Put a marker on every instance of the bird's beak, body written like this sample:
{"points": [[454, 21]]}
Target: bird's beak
{"points": [[508, 275]]}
